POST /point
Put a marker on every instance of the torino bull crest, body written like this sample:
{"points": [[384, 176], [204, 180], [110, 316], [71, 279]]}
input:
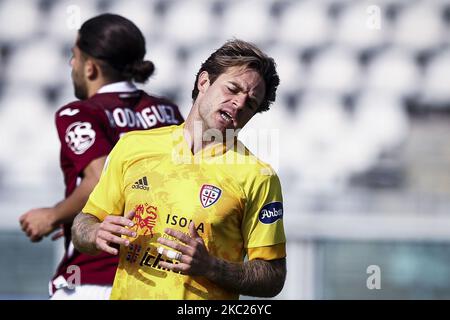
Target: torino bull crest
{"points": [[80, 136]]}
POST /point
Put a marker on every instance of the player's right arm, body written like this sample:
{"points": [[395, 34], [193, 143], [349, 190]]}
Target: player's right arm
{"points": [[91, 236], [101, 223]]}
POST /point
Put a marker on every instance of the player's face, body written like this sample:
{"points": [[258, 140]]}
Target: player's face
{"points": [[79, 82], [232, 100]]}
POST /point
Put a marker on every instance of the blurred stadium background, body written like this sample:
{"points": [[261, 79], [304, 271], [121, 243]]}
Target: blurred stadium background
{"points": [[362, 112]]}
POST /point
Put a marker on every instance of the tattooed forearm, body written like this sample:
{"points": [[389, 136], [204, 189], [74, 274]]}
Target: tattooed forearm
{"points": [[253, 278], [83, 233]]}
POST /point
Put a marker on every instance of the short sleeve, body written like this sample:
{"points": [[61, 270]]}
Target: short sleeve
{"points": [[107, 196], [82, 135], [262, 225]]}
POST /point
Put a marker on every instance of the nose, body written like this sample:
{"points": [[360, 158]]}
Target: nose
{"points": [[240, 100]]}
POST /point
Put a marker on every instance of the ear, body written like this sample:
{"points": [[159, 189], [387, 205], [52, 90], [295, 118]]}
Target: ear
{"points": [[91, 69], [203, 82]]}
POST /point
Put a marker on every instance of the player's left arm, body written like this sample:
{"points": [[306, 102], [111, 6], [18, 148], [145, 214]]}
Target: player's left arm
{"points": [[260, 278]]}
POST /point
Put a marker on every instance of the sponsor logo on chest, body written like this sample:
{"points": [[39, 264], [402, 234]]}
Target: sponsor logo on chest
{"points": [[141, 184]]}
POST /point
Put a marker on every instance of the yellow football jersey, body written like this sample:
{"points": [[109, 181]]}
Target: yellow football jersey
{"points": [[233, 198]]}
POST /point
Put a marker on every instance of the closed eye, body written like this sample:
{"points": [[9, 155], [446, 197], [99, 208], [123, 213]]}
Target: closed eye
{"points": [[233, 89]]}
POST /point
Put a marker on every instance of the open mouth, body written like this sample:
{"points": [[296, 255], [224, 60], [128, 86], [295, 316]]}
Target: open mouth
{"points": [[226, 116]]}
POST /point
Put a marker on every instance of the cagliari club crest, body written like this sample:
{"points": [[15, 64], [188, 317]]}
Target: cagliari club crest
{"points": [[209, 195]]}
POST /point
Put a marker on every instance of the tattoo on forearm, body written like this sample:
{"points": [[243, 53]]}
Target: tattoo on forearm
{"points": [[82, 233], [253, 278]]}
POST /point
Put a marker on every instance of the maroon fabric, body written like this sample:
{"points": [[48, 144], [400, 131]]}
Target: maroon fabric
{"points": [[88, 130]]}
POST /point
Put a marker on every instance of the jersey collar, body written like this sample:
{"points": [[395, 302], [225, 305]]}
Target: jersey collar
{"points": [[122, 86]]}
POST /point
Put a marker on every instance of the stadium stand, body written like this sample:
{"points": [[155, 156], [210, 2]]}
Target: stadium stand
{"points": [[347, 115]]}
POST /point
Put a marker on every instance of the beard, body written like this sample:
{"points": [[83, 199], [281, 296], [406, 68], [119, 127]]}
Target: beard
{"points": [[80, 91], [80, 87]]}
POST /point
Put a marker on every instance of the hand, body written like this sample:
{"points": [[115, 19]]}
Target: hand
{"points": [[111, 230], [195, 259], [38, 223]]}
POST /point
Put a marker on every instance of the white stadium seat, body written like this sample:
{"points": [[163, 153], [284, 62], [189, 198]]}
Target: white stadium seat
{"points": [[332, 146], [189, 23], [380, 121], [39, 62], [357, 26], [335, 70], [30, 142], [142, 14], [167, 67], [304, 24], [435, 89], [19, 20], [420, 26], [65, 18], [394, 72], [323, 127], [249, 20]]}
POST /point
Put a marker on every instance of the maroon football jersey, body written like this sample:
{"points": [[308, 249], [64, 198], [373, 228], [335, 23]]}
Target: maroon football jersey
{"points": [[89, 129]]}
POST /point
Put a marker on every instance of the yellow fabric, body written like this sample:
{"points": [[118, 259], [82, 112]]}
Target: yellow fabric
{"points": [[230, 226], [277, 251]]}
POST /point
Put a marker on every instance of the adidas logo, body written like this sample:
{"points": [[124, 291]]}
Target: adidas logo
{"points": [[141, 184]]}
